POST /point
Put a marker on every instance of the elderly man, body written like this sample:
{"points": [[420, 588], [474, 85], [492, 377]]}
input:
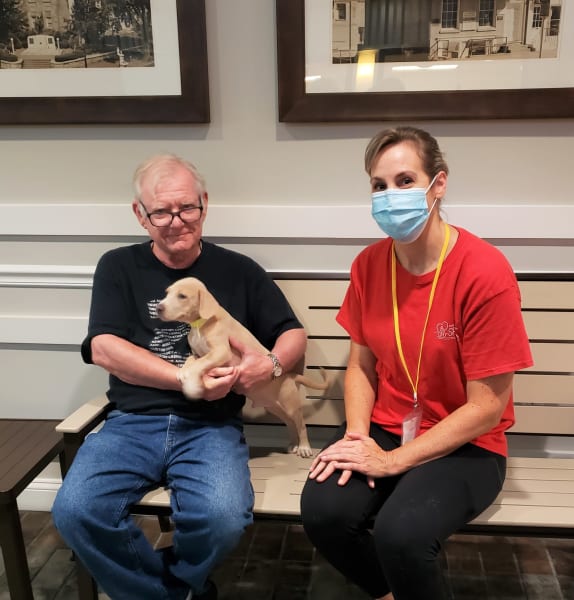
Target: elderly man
{"points": [[154, 435]]}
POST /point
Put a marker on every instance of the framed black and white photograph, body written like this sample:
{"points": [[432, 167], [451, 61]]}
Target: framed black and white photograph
{"points": [[103, 61], [372, 60]]}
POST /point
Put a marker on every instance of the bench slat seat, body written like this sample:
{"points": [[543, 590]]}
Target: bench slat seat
{"points": [[551, 520], [534, 494]]}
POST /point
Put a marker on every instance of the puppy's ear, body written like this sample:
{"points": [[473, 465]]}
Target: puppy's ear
{"points": [[207, 304]]}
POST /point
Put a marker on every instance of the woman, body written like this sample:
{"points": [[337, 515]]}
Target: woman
{"points": [[436, 331]]}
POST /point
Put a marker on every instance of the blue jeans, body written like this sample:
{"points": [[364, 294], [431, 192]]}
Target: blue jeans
{"points": [[204, 464]]}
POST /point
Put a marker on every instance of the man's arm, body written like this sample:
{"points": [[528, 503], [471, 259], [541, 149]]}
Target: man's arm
{"points": [[289, 349], [256, 368], [133, 364]]}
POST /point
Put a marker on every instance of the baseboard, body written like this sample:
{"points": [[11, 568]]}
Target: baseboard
{"points": [[40, 494]]}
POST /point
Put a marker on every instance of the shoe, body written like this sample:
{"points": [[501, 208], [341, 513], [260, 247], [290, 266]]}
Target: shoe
{"points": [[210, 592]]}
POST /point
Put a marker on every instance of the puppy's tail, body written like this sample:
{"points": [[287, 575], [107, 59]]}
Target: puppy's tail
{"points": [[311, 383]]}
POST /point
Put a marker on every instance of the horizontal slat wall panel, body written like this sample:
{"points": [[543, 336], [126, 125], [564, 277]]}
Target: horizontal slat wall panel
{"points": [[549, 325], [281, 218], [512, 498], [544, 419], [543, 388], [547, 357], [554, 295], [529, 388], [313, 292], [529, 419], [316, 304], [329, 410], [61, 320], [49, 384], [316, 411], [312, 300], [564, 486], [45, 301], [556, 358], [327, 352], [525, 466], [321, 322], [19, 329], [534, 516], [43, 330], [547, 294]]}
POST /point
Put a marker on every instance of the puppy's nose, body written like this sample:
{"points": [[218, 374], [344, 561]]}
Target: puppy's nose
{"points": [[160, 308]]}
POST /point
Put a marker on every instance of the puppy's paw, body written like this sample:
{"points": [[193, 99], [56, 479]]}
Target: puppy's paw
{"points": [[191, 385], [303, 451]]}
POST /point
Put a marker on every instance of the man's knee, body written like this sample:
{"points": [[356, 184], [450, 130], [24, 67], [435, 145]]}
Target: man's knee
{"points": [[74, 508], [67, 511], [222, 521]]}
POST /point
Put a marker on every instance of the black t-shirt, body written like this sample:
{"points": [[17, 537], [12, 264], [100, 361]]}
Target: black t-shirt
{"points": [[129, 283]]}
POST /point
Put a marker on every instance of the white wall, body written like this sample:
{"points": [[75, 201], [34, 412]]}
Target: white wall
{"points": [[294, 197]]}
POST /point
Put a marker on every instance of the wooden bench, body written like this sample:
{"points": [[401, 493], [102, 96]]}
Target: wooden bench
{"points": [[538, 494]]}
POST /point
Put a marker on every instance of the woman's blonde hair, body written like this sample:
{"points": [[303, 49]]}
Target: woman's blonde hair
{"points": [[426, 145]]}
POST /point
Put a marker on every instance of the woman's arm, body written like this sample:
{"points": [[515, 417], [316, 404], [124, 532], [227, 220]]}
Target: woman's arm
{"points": [[360, 392], [486, 400], [360, 388]]}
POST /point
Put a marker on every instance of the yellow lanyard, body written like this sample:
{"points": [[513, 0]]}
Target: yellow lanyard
{"points": [[415, 384]]}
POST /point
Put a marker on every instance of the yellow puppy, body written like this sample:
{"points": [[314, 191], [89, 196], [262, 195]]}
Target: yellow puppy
{"points": [[189, 301]]}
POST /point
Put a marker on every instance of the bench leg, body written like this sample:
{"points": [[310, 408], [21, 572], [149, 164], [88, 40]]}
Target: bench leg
{"points": [[87, 588], [14, 552]]}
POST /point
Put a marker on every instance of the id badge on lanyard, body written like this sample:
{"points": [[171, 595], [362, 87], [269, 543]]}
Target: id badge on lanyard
{"points": [[412, 424]]}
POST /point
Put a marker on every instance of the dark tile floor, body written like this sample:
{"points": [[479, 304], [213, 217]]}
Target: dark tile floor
{"points": [[277, 562]]}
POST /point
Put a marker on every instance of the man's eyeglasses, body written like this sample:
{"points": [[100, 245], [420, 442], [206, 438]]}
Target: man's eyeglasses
{"points": [[164, 218]]}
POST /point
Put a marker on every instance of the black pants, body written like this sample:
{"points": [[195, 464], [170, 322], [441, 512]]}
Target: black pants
{"points": [[387, 539]]}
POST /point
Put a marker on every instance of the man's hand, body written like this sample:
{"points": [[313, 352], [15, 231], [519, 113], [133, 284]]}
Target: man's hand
{"points": [[255, 368], [219, 381]]}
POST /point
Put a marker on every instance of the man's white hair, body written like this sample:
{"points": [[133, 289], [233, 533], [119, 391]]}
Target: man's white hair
{"points": [[158, 167]]}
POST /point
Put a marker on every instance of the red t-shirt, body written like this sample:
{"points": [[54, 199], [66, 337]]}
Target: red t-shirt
{"points": [[475, 330]]}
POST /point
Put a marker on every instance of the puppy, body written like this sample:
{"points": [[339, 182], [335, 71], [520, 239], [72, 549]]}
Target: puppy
{"points": [[189, 301]]}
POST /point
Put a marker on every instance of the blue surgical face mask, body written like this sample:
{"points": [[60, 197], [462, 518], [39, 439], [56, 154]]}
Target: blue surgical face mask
{"points": [[402, 213]]}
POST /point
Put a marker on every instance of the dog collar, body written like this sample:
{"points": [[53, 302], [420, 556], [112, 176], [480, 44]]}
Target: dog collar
{"points": [[197, 323]]}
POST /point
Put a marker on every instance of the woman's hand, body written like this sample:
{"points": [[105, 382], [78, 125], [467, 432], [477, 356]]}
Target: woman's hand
{"points": [[355, 452]]}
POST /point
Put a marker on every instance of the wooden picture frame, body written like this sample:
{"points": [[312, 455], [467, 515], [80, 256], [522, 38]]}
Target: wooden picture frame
{"points": [[191, 106], [296, 105]]}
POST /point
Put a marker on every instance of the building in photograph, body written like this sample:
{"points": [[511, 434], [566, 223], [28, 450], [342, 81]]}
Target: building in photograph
{"points": [[515, 28], [420, 30], [47, 15], [348, 29]]}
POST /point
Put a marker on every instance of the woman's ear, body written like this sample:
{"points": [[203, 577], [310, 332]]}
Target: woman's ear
{"points": [[439, 186]]}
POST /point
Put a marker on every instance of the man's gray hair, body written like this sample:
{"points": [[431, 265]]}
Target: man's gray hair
{"points": [[162, 165]]}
